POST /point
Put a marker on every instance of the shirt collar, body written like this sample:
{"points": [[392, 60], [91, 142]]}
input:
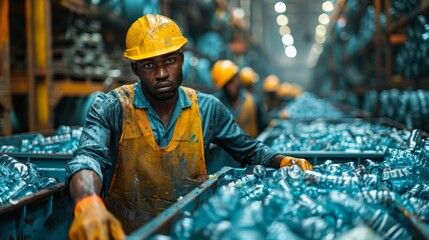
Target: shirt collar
{"points": [[140, 101]]}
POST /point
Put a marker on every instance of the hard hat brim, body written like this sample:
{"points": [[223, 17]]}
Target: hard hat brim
{"points": [[134, 54]]}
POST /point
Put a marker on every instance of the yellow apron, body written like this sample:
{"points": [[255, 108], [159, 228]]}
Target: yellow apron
{"points": [[148, 178], [247, 118]]}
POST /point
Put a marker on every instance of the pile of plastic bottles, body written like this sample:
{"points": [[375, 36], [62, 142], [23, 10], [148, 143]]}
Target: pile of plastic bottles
{"points": [[307, 105], [64, 141], [330, 202], [322, 135], [18, 179], [410, 59]]}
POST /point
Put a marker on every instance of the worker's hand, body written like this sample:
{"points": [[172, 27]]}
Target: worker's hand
{"points": [[93, 221], [301, 162]]}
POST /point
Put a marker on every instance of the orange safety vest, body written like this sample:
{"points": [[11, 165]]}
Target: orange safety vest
{"points": [[149, 178], [247, 118]]}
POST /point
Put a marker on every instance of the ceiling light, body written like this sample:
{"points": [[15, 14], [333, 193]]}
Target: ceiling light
{"points": [[282, 20], [320, 39], [320, 30], [290, 51], [280, 7], [324, 19], [284, 30], [327, 6], [287, 39]]}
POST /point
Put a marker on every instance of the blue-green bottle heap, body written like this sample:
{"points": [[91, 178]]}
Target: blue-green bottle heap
{"points": [[19, 179], [322, 135], [64, 141], [376, 199], [309, 106]]}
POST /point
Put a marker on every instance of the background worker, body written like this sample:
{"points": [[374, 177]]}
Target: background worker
{"points": [[226, 76], [143, 145], [241, 104], [270, 86], [270, 101], [248, 78]]}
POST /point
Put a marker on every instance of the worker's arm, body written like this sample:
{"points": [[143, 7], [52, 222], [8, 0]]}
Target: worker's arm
{"points": [[84, 183], [275, 161], [91, 218], [98, 146], [221, 129], [86, 172]]}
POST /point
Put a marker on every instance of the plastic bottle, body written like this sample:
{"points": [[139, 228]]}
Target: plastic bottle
{"points": [[422, 160], [376, 218], [10, 167], [420, 190], [372, 167], [345, 183], [219, 207], [415, 140], [279, 230], [400, 180], [294, 174], [348, 169], [388, 199], [26, 145], [396, 158], [184, 227], [248, 179], [259, 171], [321, 168], [318, 228], [13, 190]]}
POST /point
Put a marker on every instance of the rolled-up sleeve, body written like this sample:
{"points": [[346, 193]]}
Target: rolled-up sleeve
{"points": [[100, 134], [221, 129]]}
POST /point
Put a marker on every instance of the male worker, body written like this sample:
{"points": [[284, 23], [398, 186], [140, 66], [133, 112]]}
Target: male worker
{"points": [[143, 144], [270, 103], [270, 86], [248, 78], [225, 76]]}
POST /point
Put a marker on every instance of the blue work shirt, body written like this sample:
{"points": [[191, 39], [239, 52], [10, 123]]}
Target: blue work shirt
{"points": [[99, 142]]}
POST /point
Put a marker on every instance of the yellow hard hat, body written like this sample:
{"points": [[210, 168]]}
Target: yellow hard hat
{"points": [[153, 35], [271, 83], [248, 76], [222, 72], [288, 90]]}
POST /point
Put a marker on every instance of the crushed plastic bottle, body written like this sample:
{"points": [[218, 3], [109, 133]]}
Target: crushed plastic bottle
{"points": [[18, 180], [64, 141]]}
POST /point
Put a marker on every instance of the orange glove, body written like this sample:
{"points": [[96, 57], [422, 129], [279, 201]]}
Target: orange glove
{"points": [[301, 162], [93, 221]]}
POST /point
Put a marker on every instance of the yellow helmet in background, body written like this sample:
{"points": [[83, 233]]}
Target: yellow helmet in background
{"points": [[152, 35], [222, 72], [248, 76], [288, 90], [271, 83]]}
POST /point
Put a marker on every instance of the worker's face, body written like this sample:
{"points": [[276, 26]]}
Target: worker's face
{"points": [[160, 76], [232, 88]]}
